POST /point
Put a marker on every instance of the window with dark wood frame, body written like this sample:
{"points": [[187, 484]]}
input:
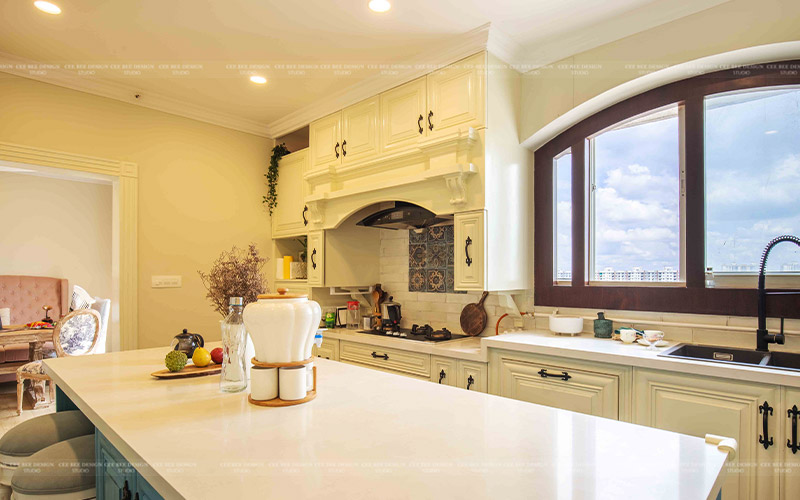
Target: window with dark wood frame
{"points": [[690, 296]]}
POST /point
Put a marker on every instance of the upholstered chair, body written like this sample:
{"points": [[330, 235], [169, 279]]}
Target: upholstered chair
{"points": [[74, 335], [103, 307], [63, 471], [32, 436]]}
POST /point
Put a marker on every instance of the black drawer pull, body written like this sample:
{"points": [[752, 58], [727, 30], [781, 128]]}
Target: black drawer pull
{"points": [[470, 381], [313, 262], [125, 493], [305, 221], [792, 443], [336, 149], [382, 356], [467, 244], [419, 123], [564, 375], [442, 375], [344, 151], [430, 115], [766, 410]]}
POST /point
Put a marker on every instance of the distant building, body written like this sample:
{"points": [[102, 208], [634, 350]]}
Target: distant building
{"points": [[668, 274]]}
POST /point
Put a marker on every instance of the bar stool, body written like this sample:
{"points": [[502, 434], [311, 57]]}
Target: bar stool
{"points": [[63, 471], [34, 435]]}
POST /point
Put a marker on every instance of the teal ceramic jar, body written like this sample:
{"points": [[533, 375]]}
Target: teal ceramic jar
{"points": [[603, 327]]}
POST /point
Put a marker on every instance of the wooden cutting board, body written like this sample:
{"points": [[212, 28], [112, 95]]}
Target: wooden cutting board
{"points": [[473, 317], [189, 371]]}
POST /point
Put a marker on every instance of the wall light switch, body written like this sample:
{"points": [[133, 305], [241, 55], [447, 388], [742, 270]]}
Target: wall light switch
{"points": [[166, 281]]}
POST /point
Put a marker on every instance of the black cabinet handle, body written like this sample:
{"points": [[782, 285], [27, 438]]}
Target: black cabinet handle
{"points": [[792, 443], [336, 149], [305, 221], [313, 262], [442, 375], [344, 151], [470, 381], [137, 496], [766, 410], [125, 493], [376, 355], [564, 375], [467, 244], [430, 124], [419, 123]]}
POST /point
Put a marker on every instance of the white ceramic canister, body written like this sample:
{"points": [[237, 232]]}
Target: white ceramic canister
{"points": [[282, 326], [263, 383], [292, 382]]}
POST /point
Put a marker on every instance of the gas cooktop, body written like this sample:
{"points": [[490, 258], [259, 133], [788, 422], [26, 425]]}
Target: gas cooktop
{"points": [[424, 333]]}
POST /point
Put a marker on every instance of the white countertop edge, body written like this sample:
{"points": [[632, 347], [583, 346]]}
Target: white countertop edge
{"points": [[153, 478], [468, 349], [585, 347]]}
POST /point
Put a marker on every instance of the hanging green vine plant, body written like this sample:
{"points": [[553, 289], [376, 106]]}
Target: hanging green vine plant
{"points": [[271, 199]]}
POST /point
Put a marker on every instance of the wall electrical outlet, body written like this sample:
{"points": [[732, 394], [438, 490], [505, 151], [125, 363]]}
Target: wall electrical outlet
{"points": [[166, 281]]}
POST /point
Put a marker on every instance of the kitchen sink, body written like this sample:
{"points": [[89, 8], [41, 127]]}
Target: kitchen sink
{"points": [[784, 360], [747, 357], [714, 353]]}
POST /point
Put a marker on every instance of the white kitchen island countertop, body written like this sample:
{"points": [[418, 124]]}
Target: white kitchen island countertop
{"points": [[370, 434]]}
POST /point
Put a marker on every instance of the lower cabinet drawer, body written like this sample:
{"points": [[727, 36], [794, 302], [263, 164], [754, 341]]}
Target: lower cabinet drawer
{"points": [[562, 383], [407, 362], [473, 376], [328, 350]]}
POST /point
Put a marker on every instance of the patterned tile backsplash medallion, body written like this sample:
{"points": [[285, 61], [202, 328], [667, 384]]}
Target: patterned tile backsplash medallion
{"points": [[430, 260]]}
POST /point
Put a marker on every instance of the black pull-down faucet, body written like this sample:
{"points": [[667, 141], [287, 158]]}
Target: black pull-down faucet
{"points": [[763, 337]]}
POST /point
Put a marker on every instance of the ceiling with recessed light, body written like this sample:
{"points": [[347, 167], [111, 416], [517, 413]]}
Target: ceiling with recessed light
{"points": [[196, 58]]}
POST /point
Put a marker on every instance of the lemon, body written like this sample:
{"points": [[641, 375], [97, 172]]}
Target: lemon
{"points": [[201, 357]]}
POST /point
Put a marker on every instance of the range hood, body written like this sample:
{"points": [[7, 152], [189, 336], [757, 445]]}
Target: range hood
{"points": [[402, 215]]}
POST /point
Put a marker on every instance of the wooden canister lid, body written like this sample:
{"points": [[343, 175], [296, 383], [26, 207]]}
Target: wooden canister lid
{"points": [[283, 293]]}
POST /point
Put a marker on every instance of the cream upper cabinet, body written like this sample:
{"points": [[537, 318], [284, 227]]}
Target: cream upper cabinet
{"points": [[698, 406], [457, 96], [403, 111], [360, 131], [316, 258], [789, 413], [576, 386], [289, 217], [324, 138], [470, 251]]}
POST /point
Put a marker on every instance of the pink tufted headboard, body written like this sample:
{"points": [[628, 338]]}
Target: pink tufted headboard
{"points": [[25, 296]]}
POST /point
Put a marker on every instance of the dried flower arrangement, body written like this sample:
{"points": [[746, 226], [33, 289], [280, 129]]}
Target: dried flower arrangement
{"points": [[237, 273]]}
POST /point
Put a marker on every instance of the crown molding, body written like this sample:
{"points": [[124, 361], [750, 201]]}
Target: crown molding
{"points": [[15, 65], [465, 45]]}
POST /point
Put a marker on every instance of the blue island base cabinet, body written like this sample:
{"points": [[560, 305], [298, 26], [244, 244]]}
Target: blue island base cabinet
{"points": [[116, 478]]}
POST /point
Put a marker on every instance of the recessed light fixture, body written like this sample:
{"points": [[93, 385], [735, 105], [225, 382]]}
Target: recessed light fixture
{"points": [[48, 7], [258, 79], [770, 132], [380, 5]]}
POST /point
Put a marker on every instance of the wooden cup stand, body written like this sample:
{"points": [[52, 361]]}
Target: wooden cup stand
{"points": [[278, 402]]}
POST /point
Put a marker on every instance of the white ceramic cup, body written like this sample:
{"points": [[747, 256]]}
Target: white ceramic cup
{"points": [[310, 377], [653, 336], [293, 382], [263, 383], [627, 335]]}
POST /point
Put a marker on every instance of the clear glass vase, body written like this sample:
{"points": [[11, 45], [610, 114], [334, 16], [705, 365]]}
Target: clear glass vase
{"points": [[234, 339]]}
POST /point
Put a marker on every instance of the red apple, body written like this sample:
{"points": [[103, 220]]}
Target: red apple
{"points": [[216, 355]]}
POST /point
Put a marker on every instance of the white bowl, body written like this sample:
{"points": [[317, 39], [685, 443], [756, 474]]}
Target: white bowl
{"points": [[569, 325]]}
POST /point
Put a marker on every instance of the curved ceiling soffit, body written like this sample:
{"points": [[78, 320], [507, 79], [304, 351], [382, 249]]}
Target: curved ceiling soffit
{"points": [[772, 52]]}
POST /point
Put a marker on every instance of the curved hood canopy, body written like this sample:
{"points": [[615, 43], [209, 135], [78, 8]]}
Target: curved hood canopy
{"points": [[404, 216]]}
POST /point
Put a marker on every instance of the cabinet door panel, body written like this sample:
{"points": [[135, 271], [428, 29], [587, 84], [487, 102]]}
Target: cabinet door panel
{"points": [[328, 350], [470, 251], [403, 115], [413, 363], [287, 219], [473, 376], [456, 95], [700, 405], [316, 258], [360, 131], [325, 141], [584, 392], [790, 466], [443, 371]]}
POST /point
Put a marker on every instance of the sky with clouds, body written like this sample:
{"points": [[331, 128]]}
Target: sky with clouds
{"points": [[752, 182]]}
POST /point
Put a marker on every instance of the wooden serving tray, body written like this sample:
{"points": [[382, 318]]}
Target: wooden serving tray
{"points": [[189, 371]]}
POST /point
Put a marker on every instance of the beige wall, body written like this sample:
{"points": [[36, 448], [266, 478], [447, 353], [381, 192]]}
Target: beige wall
{"points": [[553, 90], [200, 188], [56, 227]]}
